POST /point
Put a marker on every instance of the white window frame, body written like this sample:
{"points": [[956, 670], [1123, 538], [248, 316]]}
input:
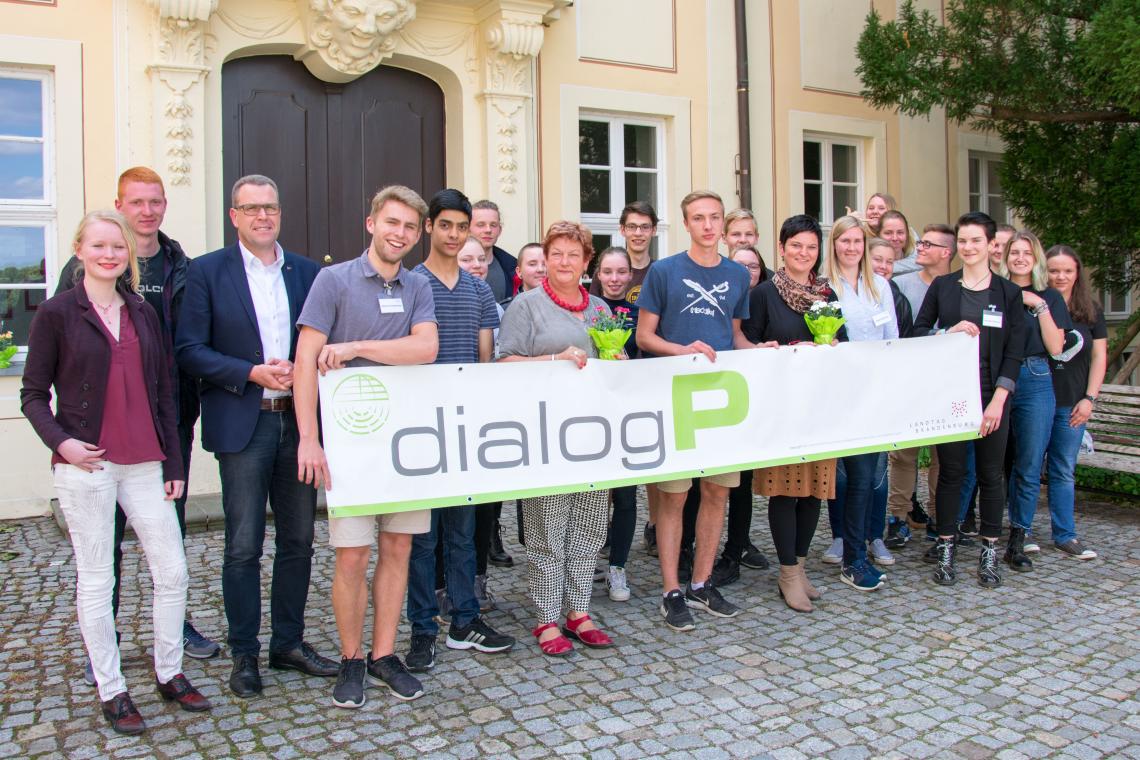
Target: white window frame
{"points": [[984, 158], [41, 212], [608, 223], [827, 182], [1128, 305]]}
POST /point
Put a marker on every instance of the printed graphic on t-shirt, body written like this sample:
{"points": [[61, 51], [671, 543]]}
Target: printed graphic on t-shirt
{"points": [[702, 299], [633, 294]]}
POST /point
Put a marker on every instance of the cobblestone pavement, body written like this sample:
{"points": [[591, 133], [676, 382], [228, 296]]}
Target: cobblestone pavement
{"points": [[1047, 665]]}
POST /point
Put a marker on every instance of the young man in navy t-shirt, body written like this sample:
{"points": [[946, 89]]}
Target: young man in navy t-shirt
{"points": [[693, 303]]}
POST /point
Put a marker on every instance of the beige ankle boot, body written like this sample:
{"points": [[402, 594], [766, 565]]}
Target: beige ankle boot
{"points": [[812, 591], [792, 589]]}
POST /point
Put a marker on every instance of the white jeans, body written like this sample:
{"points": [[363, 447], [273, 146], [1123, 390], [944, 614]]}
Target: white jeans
{"points": [[88, 502]]}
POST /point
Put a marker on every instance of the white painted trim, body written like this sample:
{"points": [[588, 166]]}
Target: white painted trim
{"points": [[677, 159]]}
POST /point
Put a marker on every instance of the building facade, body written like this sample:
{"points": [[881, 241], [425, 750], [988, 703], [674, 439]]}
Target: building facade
{"points": [[553, 109]]}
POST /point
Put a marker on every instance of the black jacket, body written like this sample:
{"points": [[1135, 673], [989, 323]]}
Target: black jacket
{"points": [[943, 307], [902, 311], [186, 402]]}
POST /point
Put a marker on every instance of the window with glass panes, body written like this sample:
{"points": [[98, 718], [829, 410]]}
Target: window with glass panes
{"points": [[833, 177], [619, 161], [27, 198], [1117, 301], [985, 187]]}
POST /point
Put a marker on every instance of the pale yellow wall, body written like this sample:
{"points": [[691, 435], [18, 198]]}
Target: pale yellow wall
{"points": [[89, 23]]}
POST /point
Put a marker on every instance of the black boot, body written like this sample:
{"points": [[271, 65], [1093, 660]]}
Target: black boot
{"points": [[1015, 551], [944, 574], [988, 576], [498, 555]]}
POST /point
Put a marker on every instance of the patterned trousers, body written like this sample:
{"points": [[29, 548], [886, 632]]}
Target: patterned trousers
{"points": [[564, 533]]}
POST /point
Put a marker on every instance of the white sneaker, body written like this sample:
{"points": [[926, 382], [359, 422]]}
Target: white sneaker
{"points": [[834, 554], [1030, 548], [617, 585], [881, 554]]}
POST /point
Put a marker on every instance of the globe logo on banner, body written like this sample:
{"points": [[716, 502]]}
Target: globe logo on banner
{"points": [[360, 404]]}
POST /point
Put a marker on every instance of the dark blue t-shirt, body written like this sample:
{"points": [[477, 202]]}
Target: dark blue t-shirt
{"points": [[695, 302], [461, 313]]}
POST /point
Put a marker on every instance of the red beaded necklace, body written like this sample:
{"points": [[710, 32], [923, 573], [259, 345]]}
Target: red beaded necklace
{"points": [[569, 307]]}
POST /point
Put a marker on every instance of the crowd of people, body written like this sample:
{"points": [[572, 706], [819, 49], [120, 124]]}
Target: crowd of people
{"points": [[140, 340]]}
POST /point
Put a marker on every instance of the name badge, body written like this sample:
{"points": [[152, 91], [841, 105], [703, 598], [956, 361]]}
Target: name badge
{"points": [[991, 318], [391, 305], [880, 318]]}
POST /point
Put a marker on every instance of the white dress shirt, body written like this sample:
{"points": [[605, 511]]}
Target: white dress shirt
{"points": [[271, 306]]}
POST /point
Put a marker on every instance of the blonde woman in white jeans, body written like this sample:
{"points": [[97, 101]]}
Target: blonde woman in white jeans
{"points": [[112, 438]]}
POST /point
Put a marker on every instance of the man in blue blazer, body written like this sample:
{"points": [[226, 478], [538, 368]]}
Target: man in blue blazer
{"points": [[237, 335]]}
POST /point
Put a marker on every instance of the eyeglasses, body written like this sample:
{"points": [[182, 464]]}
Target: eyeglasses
{"points": [[753, 267], [926, 245], [253, 209], [638, 227]]}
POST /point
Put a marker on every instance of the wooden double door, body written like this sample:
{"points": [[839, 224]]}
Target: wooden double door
{"points": [[330, 147]]}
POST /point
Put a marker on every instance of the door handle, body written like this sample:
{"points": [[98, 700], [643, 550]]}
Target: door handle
{"points": [[328, 258]]}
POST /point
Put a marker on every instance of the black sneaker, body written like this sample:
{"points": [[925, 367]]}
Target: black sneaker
{"points": [[945, 574], [676, 612], [753, 559], [650, 536], [931, 555], [725, 571], [389, 671], [969, 526], [421, 653], [349, 689], [988, 576], [479, 636], [898, 533], [707, 598], [917, 515]]}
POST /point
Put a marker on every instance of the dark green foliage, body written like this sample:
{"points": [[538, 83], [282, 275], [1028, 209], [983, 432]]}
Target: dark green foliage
{"points": [[1108, 480], [1058, 81]]}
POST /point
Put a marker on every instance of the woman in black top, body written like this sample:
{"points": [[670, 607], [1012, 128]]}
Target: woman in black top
{"points": [[977, 302], [1031, 411], [776, 313], [1076, 383]]}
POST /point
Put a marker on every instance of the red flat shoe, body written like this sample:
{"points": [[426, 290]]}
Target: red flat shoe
{"points": [[559, 646], [594, 638]]}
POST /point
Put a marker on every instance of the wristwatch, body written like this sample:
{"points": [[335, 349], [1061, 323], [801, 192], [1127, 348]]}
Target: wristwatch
{"points": [[1090, 398]]}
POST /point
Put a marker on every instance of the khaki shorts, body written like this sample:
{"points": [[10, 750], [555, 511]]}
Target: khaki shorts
{"points": [[726, 479], [348, 532]]}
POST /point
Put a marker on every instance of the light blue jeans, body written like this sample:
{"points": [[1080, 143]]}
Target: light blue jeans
{"points": [[1064, 446]]}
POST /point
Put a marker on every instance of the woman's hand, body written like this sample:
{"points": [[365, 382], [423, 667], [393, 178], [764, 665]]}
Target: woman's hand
{"points": [[1082, 410], [86, 456], [574, 354], [991, 417], [967, 327], [1031, 299], [174, 489]]}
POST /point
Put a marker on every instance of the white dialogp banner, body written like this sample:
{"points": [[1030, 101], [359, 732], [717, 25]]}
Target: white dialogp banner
{"points": [[400, 438]]}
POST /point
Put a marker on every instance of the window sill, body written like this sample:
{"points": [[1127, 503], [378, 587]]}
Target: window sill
{"points": [[16, 370]]}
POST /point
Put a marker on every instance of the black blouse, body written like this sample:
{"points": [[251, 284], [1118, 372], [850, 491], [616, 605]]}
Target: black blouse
{"points": [[769, 318]]}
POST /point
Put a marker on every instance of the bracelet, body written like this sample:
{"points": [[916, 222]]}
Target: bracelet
{"points": [[1039, 309]]}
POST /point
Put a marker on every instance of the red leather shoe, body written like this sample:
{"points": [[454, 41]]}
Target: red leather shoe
{"points": [[558, 646], [123, 715], [594, 638], [179, 690]]}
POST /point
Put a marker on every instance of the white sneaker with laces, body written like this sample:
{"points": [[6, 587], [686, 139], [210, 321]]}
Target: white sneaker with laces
{"points": [[881, 554], [616, 584], [834, 553]]}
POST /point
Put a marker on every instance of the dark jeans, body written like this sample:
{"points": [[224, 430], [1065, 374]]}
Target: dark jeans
{"points": [[989, 459], [623, 524], [185, 444], [739, 517], [880, 487], [266, 470], [792, 521], [1031, 417], [847, 512], [454, 529], [486, 522]]}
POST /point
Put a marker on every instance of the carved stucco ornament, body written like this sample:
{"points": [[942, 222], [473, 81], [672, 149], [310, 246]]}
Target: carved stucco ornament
{"points": [[181, 49], [347, 38]]}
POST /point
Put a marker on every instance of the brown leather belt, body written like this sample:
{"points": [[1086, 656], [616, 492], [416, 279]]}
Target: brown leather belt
{"points": [[279, 404]]}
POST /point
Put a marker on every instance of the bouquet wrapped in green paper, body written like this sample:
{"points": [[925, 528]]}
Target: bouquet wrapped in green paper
{"points": [[824, 320], [610, 333]]}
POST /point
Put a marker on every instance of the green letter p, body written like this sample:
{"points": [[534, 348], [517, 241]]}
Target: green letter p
{"points": [[687, 420]]}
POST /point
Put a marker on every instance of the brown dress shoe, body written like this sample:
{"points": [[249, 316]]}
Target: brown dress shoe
{"points": [[180, 690], [123, 715]]}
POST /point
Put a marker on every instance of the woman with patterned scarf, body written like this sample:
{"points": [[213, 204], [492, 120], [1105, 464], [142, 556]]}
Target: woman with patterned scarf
{"points": [[794, 491]]}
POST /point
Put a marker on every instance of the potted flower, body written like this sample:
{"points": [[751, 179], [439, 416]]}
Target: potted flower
{"points": [[7, 350]]}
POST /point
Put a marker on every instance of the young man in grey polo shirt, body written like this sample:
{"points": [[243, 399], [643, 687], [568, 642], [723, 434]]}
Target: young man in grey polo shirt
{"points": [[367, 312]]}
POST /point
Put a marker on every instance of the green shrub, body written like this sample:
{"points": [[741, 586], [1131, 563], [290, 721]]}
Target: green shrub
{"points": [[1108, 480]]}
